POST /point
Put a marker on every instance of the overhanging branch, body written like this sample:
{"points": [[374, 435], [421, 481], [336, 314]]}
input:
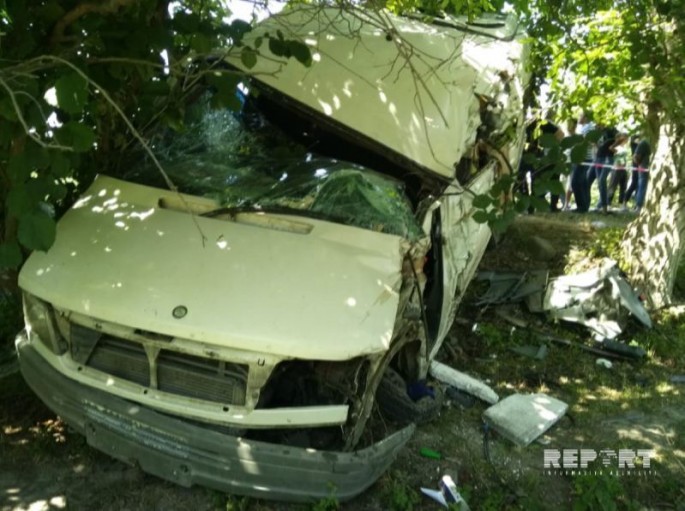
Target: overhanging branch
{"points": [[106, 7]]}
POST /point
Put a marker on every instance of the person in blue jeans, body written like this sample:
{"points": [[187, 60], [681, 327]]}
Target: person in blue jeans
{"points": [[603, 166], [580, 171], [580, 187], [641, 158], [640, 177]]}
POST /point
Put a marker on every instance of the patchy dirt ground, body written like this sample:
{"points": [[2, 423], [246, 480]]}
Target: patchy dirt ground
{"points": [[632, 405]]}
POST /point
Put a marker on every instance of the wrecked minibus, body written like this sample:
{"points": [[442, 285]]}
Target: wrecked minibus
{"points": [[242, 332]]}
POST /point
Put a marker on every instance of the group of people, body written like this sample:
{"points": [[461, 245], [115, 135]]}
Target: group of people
{"points": [[609, 162]]}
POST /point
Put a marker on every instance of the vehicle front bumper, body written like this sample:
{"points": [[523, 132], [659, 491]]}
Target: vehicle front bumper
{"points": [[189, 454]]}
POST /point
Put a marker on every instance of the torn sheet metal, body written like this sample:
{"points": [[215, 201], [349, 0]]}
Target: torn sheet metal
{"points": [[523, 418], [446, 374], [509, 287], [531, 351], [600, 299]]}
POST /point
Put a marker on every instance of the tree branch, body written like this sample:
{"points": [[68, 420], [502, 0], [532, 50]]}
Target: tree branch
{"points": [[106, 7]]}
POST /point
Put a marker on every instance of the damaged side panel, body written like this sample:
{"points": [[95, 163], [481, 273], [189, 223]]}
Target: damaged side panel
{"points": [[463, 241]]}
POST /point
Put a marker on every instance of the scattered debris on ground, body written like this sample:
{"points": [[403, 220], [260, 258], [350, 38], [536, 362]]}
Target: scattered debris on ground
{"points": [[463, 382], [447, 496], [523, 418]]}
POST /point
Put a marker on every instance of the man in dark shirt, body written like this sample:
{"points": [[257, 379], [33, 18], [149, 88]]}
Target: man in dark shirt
{"points": [[580, 171], [641, 158], [604, 161], [640, 175]]}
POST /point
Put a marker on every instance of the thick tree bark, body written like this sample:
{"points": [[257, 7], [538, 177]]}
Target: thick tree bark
{"points": [[652, 244]]}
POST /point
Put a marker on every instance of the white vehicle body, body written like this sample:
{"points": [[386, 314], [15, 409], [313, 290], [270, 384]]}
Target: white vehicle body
{"points": [[176, 304]]}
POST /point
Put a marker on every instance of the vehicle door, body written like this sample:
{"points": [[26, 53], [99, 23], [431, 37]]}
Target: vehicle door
{"points": [[462, 243]]}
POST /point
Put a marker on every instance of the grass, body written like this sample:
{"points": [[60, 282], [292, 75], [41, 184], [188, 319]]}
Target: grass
{"points": [[397, 493]]}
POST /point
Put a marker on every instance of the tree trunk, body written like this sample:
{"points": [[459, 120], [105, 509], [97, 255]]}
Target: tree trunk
{"points": [[652, 244]]}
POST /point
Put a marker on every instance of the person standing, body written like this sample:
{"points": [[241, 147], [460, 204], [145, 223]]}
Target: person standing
{"points": [[641, 158], [632, 186], [579, 184], [571, 127], [640, 174], [619, 177], [604, 162]]}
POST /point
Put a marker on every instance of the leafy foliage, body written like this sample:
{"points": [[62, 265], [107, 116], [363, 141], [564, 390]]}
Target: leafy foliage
{"points": [[82, 83], [598, 492]]}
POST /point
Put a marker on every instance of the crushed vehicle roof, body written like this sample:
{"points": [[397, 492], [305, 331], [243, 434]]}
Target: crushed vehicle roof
{"points": [[421, 85]]}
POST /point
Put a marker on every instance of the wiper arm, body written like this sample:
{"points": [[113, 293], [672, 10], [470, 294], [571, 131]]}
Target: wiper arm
{"points": [[232, 211]]}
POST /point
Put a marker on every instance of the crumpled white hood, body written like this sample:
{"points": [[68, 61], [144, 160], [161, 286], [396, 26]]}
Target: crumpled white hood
{"points": [[329, 294]]}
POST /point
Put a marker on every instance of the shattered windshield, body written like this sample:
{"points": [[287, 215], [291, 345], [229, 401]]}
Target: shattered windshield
{"points": [[246, 163]]}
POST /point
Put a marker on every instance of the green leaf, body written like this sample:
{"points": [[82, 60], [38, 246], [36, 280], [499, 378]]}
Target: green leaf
{"points": [[248, 57], [36, 230], [556, 187], [481, 217], [547, 140], [538, 203], [224, 85], [201, 43], [39, 188], [59, 164], [50, 12], [7, 110], [187, 23], [502, 185], [37, 157], [509, 215], [6, 136], [10, 255], [57, 192], [594, 135], [19, 201], [78, 136], [481, 201], [522, 203], [72, 93], [579, 152], [18, 168], [499, 225], [569, 142], [529, 159]]}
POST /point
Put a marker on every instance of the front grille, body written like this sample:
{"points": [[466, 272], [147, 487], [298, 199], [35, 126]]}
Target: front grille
{"points": [[120, 358], [175, 372], [201, 377]]}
